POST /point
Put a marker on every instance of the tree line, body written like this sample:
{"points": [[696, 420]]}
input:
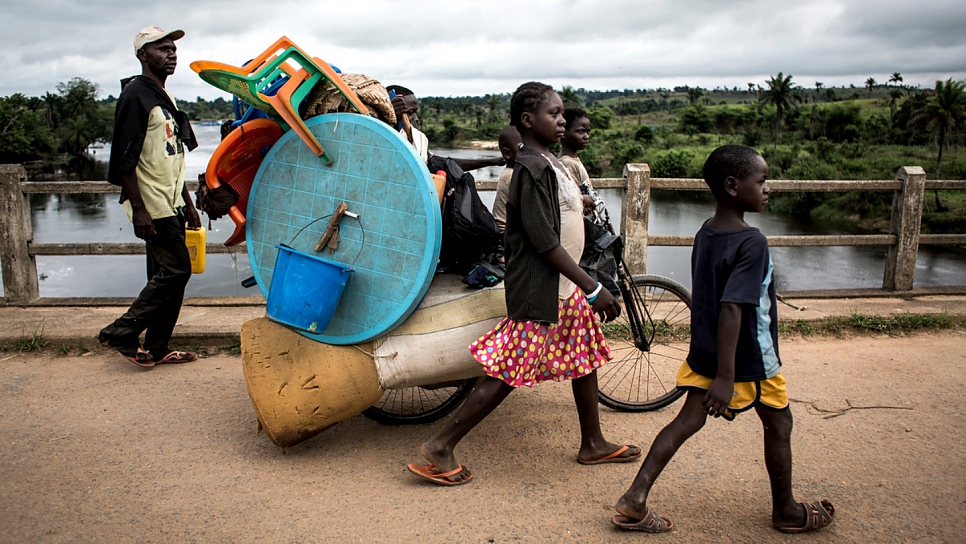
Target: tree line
{"points": [[67, 122], [811, 132]]}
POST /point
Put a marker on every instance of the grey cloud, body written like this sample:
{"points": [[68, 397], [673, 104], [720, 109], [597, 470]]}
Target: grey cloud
{"points": [[496, 45]]}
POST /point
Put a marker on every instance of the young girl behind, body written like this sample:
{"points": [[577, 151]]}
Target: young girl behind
{"points": [[576, 138], [551, 331]]}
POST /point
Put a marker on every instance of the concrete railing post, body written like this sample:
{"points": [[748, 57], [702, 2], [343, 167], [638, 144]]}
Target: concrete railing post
{"points": [[16, 232], [900, 266], [634, 213]]}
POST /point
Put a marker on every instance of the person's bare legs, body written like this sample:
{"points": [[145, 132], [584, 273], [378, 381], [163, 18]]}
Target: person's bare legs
{"points": [[689, 420], [592, 442], [438, 450], [777, 425]]}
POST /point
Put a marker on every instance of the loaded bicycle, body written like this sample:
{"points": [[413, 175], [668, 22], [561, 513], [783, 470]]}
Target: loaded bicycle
{"points": [[648, 342]]}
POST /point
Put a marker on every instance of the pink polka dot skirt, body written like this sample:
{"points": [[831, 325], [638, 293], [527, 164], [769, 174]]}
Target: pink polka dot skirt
{"points": [[526, 352]]}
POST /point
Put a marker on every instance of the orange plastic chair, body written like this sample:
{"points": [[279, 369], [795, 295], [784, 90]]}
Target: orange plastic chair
{"points": [[249, 67], [286, 103], [287, 100], [236, 161], [248, 82]]}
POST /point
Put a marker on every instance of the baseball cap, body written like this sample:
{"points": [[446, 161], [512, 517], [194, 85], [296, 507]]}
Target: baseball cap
{"points": [[152, 34]]}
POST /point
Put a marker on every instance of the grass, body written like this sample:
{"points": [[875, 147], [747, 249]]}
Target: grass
{"points": [[34, 341], [840, 326], [857, 323]]}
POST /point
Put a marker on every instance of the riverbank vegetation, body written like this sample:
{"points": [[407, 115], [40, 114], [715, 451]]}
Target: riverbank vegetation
{"points": [[821, 133], [815, 132]]}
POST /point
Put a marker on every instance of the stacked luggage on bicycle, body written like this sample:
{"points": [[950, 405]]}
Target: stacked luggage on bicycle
{"points": [[355, 310]]}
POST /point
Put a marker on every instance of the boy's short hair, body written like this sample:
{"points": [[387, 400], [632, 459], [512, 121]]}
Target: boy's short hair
{"points": [[737, 161], [526, 98], [571, 114], [508, 133]]}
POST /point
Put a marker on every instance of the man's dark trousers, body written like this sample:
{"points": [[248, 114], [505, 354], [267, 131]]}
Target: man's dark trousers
{"points": [[158, 305]]}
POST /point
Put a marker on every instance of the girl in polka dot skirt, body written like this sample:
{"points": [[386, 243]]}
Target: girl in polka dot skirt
{"points": [[551, 331]]}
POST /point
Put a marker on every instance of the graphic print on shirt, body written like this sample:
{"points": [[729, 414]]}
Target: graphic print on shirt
{"points": [[173, 144], [769, 357]]}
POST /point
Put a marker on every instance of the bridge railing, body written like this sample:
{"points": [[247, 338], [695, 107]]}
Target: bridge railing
{"points": [[18, 251]]}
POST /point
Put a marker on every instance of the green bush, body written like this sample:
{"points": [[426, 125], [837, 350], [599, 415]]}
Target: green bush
{"points": [[600, 118], [645, 135], [811, 168], [673, 164]]}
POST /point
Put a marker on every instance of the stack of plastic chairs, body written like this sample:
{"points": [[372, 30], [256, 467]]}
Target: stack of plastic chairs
{"points": [[257, 83]]}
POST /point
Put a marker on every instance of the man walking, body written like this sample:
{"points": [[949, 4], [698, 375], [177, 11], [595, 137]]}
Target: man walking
{"points": [[147, 161]]}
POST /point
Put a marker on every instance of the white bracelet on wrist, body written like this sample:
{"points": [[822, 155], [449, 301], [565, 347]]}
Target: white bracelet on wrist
{"points": [[593, 295]]}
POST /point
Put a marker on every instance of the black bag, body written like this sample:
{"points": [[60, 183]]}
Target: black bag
{"points": [[484, 274], [599, 259], [469, 230]]}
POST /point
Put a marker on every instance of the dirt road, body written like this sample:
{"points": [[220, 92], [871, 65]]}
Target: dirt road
{"points": [[93, 449]]}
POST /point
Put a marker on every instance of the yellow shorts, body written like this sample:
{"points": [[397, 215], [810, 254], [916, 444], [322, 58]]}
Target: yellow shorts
{"points": [[770, 392]]}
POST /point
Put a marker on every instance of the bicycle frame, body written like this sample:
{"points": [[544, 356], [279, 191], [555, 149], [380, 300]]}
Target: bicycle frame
{"points": [[631, 297]]}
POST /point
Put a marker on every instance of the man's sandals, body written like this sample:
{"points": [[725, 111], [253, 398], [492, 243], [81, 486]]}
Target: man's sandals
{"points": [[817, 515], [143, 359], [177, 357], [432, 474], [652, 523]]}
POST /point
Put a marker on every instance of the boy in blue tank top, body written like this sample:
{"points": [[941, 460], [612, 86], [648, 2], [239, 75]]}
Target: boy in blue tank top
{"points": [[733, 363]]}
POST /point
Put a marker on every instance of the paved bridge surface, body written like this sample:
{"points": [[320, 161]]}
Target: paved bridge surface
{"points": [[94, 449]]}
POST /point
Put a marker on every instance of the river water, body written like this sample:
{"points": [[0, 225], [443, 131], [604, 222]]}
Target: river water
{"points": [[69, 218]]}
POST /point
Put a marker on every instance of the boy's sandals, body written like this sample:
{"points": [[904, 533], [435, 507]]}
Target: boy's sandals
{"points": [[177, 357], [652, 523], [817, 515]]}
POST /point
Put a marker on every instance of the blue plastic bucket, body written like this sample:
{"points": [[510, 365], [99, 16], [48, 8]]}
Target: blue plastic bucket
{"points": [[305, 289]]}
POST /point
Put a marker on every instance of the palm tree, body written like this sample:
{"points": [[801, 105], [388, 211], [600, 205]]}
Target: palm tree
{"points": [[569, 97], [76, 135], [782, 94], [941, 116], [870, 83], [694, 94], [894, 96], [896, 78], [493, 102], [751, 88], [818, 89]]}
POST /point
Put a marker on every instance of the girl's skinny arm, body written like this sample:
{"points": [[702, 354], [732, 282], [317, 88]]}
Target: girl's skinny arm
{"points": [[718, 397], [605, 302], [560, 260]]}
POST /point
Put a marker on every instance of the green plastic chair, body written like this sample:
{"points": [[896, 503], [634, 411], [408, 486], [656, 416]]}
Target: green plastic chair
{"points": [[284, 104]]}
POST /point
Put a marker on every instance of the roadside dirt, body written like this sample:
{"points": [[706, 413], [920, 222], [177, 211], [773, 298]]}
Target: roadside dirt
{"points": [[93, 449]]}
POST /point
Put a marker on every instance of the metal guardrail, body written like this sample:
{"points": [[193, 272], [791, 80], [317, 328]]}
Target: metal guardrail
{"points": [[19, 251]]}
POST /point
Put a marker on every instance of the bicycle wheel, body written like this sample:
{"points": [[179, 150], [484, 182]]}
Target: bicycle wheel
{"points": [[641, 376], [413, 405]]}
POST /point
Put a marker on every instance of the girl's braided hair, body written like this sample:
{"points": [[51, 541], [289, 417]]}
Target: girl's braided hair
{"points": [[526, 98]]}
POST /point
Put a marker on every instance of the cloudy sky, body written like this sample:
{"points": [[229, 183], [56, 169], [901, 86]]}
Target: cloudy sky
{"points": [[459, 47]]}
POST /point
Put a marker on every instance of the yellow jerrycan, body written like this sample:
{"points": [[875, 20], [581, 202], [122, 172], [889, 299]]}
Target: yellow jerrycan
{"points": [[195, 240]]}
